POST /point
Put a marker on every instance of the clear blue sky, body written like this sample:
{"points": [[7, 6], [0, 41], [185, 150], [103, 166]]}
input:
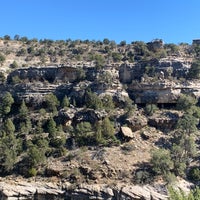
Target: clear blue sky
{"points": [[174, 21]]}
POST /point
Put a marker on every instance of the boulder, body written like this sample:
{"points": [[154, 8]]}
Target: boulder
{"points": [[126, 133], [136, 122]]}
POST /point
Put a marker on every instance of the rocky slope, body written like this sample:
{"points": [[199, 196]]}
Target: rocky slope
{"points": [[148, 73]]}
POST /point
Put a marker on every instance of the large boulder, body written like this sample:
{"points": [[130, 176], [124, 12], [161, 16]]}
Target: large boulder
{"points": [[136, 122], [126, 133]]}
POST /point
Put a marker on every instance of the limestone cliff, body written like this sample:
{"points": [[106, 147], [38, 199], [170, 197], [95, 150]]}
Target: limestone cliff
{"points": [[163, 88]]}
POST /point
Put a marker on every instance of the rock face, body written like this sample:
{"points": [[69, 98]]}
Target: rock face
{"points": [[41, 190], [25, 190], [89, 115], [157, 80], [151, 81], [165, 121], [169, 67], [51, 74], [162, 92], [155, 45]]}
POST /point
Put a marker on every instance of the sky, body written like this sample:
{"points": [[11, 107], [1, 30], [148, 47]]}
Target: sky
{"points": [[173, 21]]}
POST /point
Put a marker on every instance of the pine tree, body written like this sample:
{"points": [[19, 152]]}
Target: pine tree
{"points": [[7, 101], [65, 102], [51, 128], [52, 102], [107, 128], [23, 110], [8, 127]]}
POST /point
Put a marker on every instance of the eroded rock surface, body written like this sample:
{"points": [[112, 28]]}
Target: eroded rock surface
{"points": [[43, 190]]}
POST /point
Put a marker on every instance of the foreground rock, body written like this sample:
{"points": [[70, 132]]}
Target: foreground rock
{"points": [[32, 190], [44, 190]]}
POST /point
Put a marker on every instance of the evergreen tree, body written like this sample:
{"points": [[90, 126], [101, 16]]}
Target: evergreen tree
{"points": [[39, 128], [187, 124], [183, 144], [10, 156], [51, 102], [8, 127], [25, 126], [161, 161], [93, 101], [10, 147], [178, 194], [107, 102], [194, 71], [107, 128], [185, 102], [23, 110], [65, 102], [7, 101], [36, 156], [98, 133], [51, 128]]}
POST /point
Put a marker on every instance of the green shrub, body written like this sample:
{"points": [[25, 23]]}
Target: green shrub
{"points": [[161, 161], [143, 177], [185, 102], [178, 194], [194, 174], [150, 109], [194, 71], [32, 172]]}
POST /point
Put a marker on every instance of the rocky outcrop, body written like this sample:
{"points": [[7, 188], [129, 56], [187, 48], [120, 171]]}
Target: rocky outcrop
{"points": [[165, 121], [50, 74], [120, 192], [89, 115], [162, 91], [155, 45], [125, 73], [168, 67], [136, 122], [146, 81], [156, 92], [30, 190], [43, 190], [173, 67]]}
